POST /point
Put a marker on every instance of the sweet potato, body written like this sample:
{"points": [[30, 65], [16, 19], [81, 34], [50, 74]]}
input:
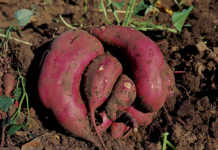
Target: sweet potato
{"points": [[140, 118], [120, 102], [152, 76], [122, 97], [106, 123], [118, 129], [100, 78], [59, 81], [137, 117]]}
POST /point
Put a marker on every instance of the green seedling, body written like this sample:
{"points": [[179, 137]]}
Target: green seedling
{"points": [[133, 9], [104, 11], [141, 6], [20, 95], [129, 12], [115, 6], [7, 36], [85, 5], [67, 24], [144, 7], [5, 102], [148, 25], [182, 3], [4, 42], [23, 16], [166, 142], [179, 18], [177, 3]]}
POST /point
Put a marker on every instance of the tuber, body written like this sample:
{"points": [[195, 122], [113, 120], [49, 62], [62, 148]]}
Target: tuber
{"points": [[122, 97], [77, 53], [100, 78], [153, 79], [118, 129], [140, 118], [59, 81], [106, 122]]}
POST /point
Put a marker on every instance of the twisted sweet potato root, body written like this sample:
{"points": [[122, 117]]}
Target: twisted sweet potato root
{"points": [[75, 53]]}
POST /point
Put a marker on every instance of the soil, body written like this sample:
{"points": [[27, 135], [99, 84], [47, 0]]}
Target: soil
{"points": [[190, 116]]}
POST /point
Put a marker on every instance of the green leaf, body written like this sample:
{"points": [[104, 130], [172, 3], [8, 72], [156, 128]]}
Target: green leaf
{"points": [[101, 5], [23, 16], [17, 93], [139, 7], [118, 5], [129, 12], [5, 103], [148, 25], [14, 128], [179, 18]]}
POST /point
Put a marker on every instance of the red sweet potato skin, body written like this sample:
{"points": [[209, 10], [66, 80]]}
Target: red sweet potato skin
{"points": [[100, 78], [123, 95], [124, 91], [106, 123], [140, 118], [59, 81], [146, 60], [118, 129]]}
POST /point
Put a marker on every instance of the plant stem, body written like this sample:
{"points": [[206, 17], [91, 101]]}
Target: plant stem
{"points": [[129, 12], [165, 140], [85, 5], [114, 12], [15, 39], [171, 145], [109, 10], [148, 25], [116, 17], [24, 96], [67, 24], [104, 11]]}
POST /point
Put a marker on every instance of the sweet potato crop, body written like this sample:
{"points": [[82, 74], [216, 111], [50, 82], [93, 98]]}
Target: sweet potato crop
{"points": [[153, 78], [99, 81], [77, 55], [59, 82]]}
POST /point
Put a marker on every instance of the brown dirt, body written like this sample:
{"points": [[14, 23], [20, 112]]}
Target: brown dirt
{"points": [[190, 117]]}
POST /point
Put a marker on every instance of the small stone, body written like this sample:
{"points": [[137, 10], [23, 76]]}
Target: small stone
{"points": [[35, 144], [201, 46], [215, 49]]}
